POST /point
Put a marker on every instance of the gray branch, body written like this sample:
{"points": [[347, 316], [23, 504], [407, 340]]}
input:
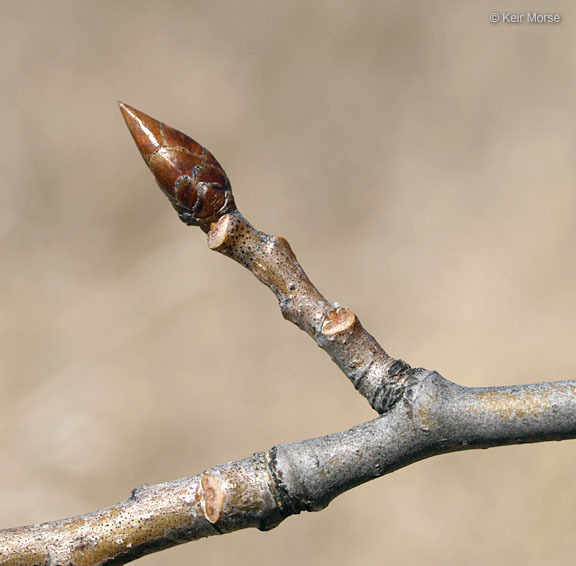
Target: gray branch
{"points": [[434, 417]]}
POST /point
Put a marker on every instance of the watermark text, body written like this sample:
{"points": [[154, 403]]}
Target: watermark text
{"points": [[524, 18]]}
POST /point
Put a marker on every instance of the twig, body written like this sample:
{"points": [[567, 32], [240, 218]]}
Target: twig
{"points": [[422, 414]]}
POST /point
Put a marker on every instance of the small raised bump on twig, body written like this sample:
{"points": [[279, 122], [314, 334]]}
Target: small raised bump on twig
{"points": [[338, 321], [218, 232], [211, 497]]}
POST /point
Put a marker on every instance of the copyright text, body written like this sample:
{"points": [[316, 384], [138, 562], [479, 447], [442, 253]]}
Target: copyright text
{"points": [[524, 18]]}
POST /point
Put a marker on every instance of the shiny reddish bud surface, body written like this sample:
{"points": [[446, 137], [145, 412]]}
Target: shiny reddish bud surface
{"points": [[186, 172]]}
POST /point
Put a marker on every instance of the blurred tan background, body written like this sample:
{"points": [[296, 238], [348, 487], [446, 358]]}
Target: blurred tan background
{"points": [[421, 162]]}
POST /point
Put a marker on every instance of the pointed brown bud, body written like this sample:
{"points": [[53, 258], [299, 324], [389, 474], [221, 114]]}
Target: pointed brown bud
{"points": [[188, 173]]}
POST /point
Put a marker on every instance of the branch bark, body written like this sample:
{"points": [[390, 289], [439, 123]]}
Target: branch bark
{"points": [[434, 417], [421, 413]]}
